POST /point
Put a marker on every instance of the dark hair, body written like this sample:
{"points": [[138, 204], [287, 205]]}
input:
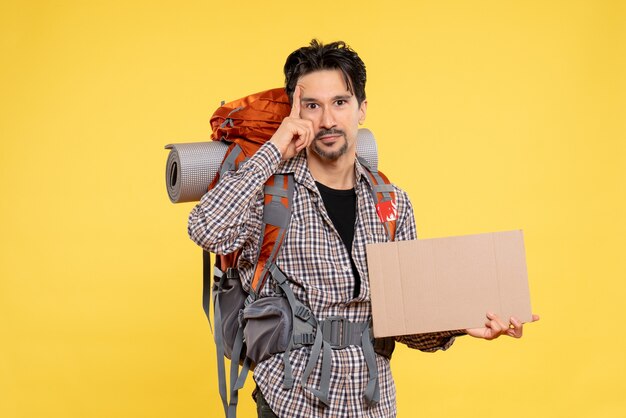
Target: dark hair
{"points": [[333, 56]]}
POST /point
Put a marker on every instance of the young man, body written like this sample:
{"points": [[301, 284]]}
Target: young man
{"points": [[323, 255]]}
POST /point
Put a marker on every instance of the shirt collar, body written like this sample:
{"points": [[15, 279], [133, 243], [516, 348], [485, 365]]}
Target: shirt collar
{"points": [[298, 166]]}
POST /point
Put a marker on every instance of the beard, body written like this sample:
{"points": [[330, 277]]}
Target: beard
{"points": [[320, 149]]}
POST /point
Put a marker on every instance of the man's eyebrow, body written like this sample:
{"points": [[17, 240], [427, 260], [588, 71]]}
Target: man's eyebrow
{"points": [[339, 97]]}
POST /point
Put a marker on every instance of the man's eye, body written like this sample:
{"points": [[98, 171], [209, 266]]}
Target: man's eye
{"points": [[311, 106], [340, 102]]}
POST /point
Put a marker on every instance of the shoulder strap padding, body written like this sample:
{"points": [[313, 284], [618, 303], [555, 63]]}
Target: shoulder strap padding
{"points": [[384, 196], [278, 202]]}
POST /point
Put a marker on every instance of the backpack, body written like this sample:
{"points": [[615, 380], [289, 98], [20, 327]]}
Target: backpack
{"points": [[249, 329]]}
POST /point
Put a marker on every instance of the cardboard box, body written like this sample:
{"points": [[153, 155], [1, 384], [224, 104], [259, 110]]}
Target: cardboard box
{"points": [[447, 283]]}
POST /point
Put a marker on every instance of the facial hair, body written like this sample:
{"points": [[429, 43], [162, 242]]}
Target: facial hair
{"points": [[320, 150]]}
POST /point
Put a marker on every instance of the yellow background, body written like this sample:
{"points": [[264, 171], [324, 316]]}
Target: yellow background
{"points": [[493, 115]]}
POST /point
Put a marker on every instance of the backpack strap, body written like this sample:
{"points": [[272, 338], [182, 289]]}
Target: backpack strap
{"points": [[234, 156], [232, 160], [384, 197], [217, 335], [219, 277], [237, 378], [277, 208]]}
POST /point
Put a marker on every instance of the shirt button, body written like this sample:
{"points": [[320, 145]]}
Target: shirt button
{"points": [[347, 268]]}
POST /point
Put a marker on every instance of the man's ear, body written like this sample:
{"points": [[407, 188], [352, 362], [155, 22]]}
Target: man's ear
{"points": [[362, 111]]}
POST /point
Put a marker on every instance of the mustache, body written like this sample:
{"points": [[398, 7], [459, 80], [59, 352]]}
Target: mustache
{"points": [[325, 132]]}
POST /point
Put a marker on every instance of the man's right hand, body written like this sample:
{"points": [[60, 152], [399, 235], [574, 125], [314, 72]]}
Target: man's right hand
{"points": [[294, 133]]}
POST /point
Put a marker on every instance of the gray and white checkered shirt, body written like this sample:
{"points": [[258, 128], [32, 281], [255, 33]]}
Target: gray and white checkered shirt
{"points": [[318, 267]]}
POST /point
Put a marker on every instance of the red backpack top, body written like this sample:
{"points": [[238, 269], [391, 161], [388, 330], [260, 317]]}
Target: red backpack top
{"points": [[249, 122]]}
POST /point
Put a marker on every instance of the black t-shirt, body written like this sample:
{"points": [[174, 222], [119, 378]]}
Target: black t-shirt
{"points": [[341, 208]]}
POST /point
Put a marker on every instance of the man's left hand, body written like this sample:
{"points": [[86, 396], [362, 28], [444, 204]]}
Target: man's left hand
{"points": [[494, 327]]}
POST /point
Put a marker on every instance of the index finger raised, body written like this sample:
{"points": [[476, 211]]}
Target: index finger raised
{"points": [[295, 107]]}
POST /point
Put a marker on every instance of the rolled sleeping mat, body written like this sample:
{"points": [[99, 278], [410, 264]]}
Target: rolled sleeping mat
{"points": [[192, 166]]}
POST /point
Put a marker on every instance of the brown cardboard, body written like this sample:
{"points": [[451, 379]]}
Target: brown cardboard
{"points": [[449, 283]]}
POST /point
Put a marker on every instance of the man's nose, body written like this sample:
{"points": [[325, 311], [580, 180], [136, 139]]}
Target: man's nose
{"points": [[328, 119]]}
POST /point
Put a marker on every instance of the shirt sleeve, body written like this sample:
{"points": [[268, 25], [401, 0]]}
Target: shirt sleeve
{"points": [[405, 230], [231, 212]]}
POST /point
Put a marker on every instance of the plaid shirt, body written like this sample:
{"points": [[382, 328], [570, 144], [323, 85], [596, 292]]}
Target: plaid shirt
{"points": [[318, 267]]}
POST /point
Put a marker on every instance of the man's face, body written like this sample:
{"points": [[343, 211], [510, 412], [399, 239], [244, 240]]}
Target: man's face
{"points": [[334, 111]]}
